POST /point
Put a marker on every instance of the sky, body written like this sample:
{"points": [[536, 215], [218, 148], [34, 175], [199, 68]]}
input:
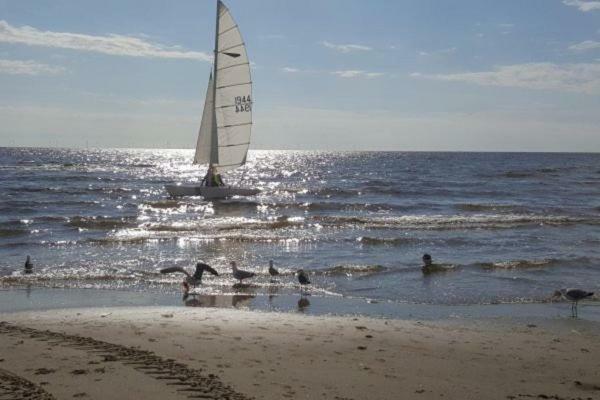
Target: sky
{"points": [[403, 75]]}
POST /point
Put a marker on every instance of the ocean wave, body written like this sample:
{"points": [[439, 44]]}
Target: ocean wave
{"points": [[69, 190], [101, 222], [450, 222], [531, 264], [275, 223], [491, 207], [12, 232], [350, 270], [163, 204], [398, 241], [517, 264], [29, 204], [341, 206]]}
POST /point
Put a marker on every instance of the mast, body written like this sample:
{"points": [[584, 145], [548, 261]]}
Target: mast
{"points": [[214, 151]]}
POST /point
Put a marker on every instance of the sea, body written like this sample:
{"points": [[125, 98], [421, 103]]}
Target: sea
{"points": [[507, 229]]}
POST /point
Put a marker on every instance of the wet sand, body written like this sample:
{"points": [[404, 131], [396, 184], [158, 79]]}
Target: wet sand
{"points": [[210, 353]]}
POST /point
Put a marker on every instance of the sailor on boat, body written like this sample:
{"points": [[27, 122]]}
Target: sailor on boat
{"points": [[212, 179]]}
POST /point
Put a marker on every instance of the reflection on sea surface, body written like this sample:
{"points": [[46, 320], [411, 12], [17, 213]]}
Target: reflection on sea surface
{"points": [[303, 303], [220, 301]]}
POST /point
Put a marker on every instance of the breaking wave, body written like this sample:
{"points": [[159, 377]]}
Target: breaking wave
{"points": [[533, 264], [441, 222], [350, 270], [101, 222]]}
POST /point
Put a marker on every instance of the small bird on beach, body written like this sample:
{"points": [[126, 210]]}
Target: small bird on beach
{"points": [[574, 296], [303, 277], [239, 274], [28, 265], [196, 278], [272, 270]]}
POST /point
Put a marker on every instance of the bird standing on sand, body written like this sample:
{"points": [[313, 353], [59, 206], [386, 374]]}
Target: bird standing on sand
{"points": [[272, 270], [239, 274], [28, 266], [194, 279], [573, 295]]}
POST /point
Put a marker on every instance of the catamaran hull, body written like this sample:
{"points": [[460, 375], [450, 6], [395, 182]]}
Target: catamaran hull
{"points": [[218, 192]]}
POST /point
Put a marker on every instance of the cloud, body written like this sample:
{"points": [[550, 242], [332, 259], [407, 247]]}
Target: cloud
{"points": [[21, 67], [583, 5], [290, 69], [346, 48], [449, 50], [585, 45], [117, 45], [580, 78], [357, 74]]}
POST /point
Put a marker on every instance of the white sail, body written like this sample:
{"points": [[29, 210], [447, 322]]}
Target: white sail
{"points": [[233, 95], [204, 144], [224, 135]]}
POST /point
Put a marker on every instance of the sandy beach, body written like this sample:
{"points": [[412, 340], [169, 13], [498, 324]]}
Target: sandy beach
{"points": [[170, 352]]}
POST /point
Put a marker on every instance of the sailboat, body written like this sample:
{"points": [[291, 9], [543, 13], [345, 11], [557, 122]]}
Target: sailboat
{"points": [[224, 135]]}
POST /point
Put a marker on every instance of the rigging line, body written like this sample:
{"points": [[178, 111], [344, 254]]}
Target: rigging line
{"points": [[231, 47], [229, 126], [228, 106], [234, 145], [234, 84], [227, 30], [231, 66]]}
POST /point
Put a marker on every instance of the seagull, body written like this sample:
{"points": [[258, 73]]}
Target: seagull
{"points": [[303, 277], [28, 266], [573, 295], [239, 274], [272, 270], [195, 279]]}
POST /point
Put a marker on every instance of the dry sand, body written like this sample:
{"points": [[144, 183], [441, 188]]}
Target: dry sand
{"points": [[164, 353]]}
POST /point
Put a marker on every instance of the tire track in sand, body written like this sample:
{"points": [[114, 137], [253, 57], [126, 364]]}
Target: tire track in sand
{"points": [[15, 387], [192, 383]]}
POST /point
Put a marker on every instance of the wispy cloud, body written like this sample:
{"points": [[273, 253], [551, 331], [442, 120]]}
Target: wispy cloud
{"points": [[357, 74], [583, 5], [28, 67], [346, 48], [449, 50], [585, 45], [581, 78], [290, 69], [117, 45]]}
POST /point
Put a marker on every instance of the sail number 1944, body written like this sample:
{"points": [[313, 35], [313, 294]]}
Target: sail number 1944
{"points": [[243, 104]]}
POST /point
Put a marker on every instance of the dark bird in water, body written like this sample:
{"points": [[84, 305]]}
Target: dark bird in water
{"points": [[574, 296], [272, 270], [239, 274], [196, 278], [28, 266], [303, 278]]}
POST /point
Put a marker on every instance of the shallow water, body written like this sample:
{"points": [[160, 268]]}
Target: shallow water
{"points": [[513, 226]]}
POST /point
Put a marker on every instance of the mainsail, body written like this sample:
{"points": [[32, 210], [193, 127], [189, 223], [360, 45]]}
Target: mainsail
{"points": [[224, 135]]}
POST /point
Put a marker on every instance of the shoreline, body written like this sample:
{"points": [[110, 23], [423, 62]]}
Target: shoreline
{"points": [[14, 300], [229, 353]]}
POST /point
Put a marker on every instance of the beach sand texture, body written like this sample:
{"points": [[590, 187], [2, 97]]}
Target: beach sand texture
{"points": [[170, 352]]}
